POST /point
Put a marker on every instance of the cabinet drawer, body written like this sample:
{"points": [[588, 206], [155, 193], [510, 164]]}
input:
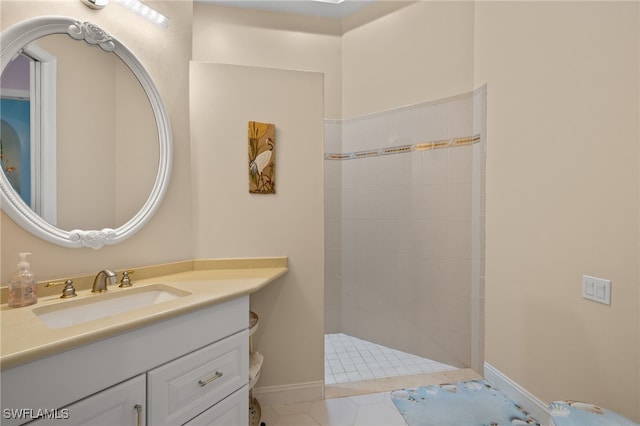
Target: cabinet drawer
{"points": [[190, 385], [231, 411]]}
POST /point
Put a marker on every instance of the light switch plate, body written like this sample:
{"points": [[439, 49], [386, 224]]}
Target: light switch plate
{"points": [[596, 289]]}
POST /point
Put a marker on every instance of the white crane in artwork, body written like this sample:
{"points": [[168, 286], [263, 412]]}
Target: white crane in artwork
{"points": [[262, 159]]}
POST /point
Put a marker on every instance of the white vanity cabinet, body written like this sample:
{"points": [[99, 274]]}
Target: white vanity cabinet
{"points": [[232, 411], [189, 369], [122, 404], [191, 383]]}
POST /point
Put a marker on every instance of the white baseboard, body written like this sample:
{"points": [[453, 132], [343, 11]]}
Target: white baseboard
{"points": [[289, 394], [517, 394]]}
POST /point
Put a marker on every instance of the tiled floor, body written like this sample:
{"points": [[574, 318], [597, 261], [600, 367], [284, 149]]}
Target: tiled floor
{"points": [[359, 378], [349, 359], [370, 405], [362, 410]]}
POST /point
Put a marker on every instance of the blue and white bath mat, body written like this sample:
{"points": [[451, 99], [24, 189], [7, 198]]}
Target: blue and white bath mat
{"points": [[575, 413], [472, 403]]}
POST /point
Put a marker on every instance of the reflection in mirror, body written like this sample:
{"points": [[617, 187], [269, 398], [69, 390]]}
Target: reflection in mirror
{"points": [[86, 144], [96, 166], [28, 114], [15, 121]]}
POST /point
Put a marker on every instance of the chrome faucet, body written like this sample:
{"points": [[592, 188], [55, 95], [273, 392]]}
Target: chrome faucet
{"points": [[100, 281]]}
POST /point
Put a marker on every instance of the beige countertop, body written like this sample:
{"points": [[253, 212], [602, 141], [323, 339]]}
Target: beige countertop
{"points": [[25, 337]]}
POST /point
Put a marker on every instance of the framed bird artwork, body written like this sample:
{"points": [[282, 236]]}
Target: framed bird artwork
{"points": [[262, 155]]}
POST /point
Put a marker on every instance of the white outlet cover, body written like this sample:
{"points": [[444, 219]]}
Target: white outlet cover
{"points": [[596, 289]]}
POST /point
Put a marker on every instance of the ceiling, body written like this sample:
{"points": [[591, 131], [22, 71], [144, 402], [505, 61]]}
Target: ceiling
{"points": [[318, 8]]}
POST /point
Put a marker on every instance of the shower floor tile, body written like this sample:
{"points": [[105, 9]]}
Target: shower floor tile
{"points": [[349, 359]]}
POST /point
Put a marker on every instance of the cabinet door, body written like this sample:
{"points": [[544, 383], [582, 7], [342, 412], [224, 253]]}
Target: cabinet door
{"points": [[121, 405], [181, 389], [231, 411]]}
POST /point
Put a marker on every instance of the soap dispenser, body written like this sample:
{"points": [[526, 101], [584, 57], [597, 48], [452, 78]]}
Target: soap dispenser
{"points": [[22, 285]]}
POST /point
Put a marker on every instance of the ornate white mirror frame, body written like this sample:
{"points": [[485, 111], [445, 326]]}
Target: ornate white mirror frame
{"points": [[12, 41]]}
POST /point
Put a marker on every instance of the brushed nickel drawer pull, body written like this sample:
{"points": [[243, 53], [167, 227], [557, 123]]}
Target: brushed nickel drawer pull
{"points": [[138, 409], [211, 379]]}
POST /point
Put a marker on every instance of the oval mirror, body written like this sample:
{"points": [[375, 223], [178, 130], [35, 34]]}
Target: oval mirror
{"points": [[86, 144]]}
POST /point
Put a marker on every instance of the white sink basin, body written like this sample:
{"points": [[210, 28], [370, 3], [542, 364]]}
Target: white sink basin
{"points": [[97, 306]]}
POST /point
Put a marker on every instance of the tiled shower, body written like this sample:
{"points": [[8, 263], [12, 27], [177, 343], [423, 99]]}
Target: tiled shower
{"points": [[404, 228]]}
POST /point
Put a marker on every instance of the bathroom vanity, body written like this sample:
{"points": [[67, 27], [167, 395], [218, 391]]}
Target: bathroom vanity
{"points": [[183, 361], [173, 349]]}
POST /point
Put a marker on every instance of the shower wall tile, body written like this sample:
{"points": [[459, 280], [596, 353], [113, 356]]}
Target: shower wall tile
{"points": [[333, 303], [458, 240], [385, 237], [370, 171], [333, 260], [477, 240], [332, 175], [434, 238], [350, 204], [333, 239], [401, 127], [434, 122], [333, 203], [478, 162], [399, 202], [430, 202], [348, 233], [457, 316], [435, 166], [459, 348], [460, 164], [333, 318], [333, 228], [397, 170], [369, 202], [459, 201], [477, 290], [410, 229], [460, 117], [416, 169], [479, 110], [360, 134], [434, 274], [477, 202], [408, 237], [349, 170], [458, 277], [409, 274]]}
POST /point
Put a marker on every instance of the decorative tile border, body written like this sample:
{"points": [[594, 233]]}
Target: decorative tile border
{"points": [[364, 154], [404, 148], [338, 156]]}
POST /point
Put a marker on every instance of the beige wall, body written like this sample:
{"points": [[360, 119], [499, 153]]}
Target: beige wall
{"points": [[536, 187], [419, 53], [562, 164], [165, 54], [231, 222], [562, 196], [256, 38], [261, 46]]}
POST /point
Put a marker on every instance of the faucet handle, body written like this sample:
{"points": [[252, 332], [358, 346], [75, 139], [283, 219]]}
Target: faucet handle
{"points": [[126, 280], [69, 290]]}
